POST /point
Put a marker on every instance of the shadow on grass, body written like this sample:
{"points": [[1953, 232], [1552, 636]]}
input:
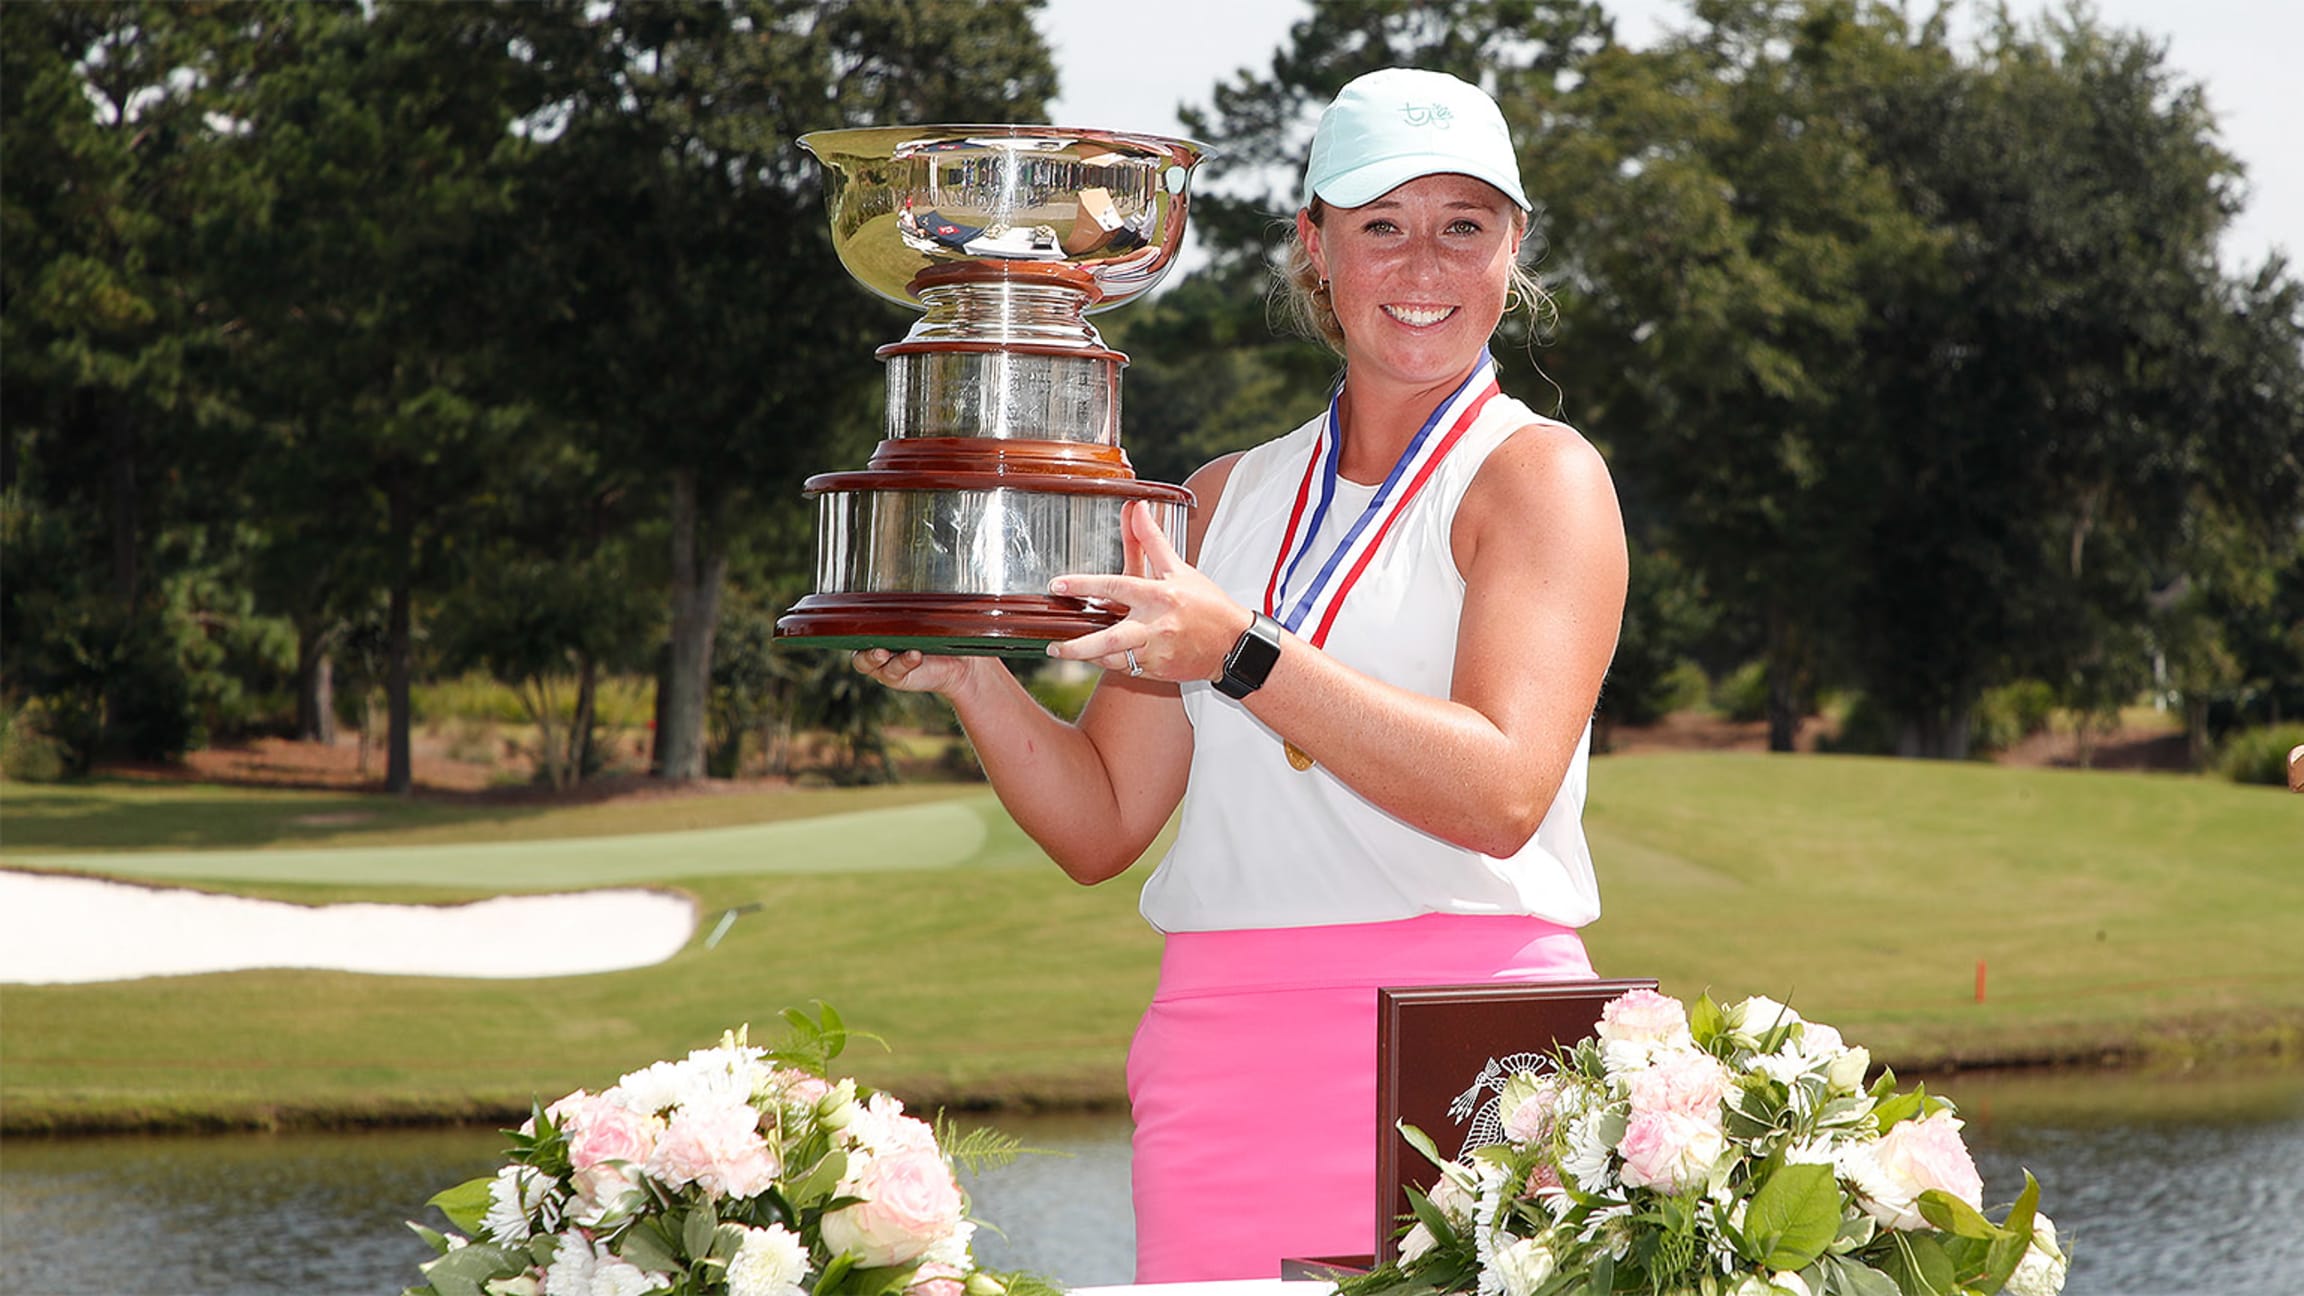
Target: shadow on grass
{"points": [[113, 814]]}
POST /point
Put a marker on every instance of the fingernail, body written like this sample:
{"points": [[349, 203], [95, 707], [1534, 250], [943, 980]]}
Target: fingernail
{"points": [[1059, 586]]}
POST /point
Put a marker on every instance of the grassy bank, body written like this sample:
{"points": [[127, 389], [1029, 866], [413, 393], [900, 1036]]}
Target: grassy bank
{"points": [[2115, 914]]}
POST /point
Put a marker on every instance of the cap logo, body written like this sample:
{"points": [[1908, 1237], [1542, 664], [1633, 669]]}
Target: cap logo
{"points": [[1431, 114]]}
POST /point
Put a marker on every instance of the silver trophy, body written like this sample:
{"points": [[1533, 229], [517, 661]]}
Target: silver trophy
{"points": [[1002, 467]]}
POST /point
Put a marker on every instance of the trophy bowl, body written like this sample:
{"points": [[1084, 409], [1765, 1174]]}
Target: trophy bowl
{"points": [[1036, 208], [1002, 467]]}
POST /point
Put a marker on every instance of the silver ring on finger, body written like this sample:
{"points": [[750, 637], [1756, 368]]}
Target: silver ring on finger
{"points": [[1135, 668]]}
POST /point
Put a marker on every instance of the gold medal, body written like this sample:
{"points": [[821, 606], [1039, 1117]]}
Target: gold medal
{"points": [[1298, 759]]}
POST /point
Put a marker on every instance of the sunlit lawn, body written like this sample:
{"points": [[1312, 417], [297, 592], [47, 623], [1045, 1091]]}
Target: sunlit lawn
{"points": [[2111, 910]]}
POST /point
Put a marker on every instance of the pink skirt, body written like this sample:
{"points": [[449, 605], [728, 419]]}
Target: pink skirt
{"points": [[1253, 1081]]}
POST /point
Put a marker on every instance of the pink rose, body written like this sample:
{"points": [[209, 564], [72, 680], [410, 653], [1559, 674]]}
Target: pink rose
{"points": [[1913, 1157], [1669, 1151], [1528, 1121], [937, 1280], [1679, 1080], [910, 1202], [718, 1148], [1525, 1105], [802, 1089], [607, 1131], [1639, 1022]]}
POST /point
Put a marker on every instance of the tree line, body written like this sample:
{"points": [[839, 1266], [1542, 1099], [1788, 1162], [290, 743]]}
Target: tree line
{"points": [[392, 338]]}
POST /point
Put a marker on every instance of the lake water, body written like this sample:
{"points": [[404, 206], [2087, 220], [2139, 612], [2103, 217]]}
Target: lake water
{"points": [[2166, 1183]]}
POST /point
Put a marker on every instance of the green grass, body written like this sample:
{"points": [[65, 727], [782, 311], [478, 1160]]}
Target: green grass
{"points": [[2113, 911], [2117, 913], [123, 815]]}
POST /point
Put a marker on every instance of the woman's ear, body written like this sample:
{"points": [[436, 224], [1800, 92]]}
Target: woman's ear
{"points": [[1308, 235]]}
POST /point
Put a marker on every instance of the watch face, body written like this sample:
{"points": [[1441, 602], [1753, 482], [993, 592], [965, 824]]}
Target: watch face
{"points": [[1251, 659]]}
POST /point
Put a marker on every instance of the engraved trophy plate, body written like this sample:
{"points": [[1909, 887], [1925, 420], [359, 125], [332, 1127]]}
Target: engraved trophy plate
{"points": [[1002, 467]]}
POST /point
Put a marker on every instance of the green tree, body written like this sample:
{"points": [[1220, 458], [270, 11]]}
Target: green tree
{"points": [[1719, 234], [117, 436], [550, 597], [2051, 398], [368, 276], [1214, 377], [689, 315]]}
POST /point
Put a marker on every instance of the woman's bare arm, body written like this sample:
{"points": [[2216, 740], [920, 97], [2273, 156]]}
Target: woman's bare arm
{"points": [[1092, 794], [1540, 542]]}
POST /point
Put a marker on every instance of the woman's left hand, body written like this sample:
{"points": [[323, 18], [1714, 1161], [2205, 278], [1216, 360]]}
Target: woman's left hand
{"points": [[1180, 624]]}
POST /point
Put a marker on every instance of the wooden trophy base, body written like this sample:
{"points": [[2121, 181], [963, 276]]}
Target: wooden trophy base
{"points": [[945, 625]]}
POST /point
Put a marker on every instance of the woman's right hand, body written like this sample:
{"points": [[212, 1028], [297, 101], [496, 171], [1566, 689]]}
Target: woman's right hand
{"points": [[915, 672]]}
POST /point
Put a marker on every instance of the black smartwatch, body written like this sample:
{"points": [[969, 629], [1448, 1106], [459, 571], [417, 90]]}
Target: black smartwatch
{"points": [[1250, 660]]}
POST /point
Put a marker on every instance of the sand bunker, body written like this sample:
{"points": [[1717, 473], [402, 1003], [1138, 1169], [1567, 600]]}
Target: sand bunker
{"points": [[55, 930]]}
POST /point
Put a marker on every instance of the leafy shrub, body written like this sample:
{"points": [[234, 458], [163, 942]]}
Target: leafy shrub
{"points": [[1744, 694], [1665, 619], [472, 741], [1865, 729], [1686, 688], [149, 711], [472, 696], [2011, 713], [2260, 755], [27, 753], [625, 702]]}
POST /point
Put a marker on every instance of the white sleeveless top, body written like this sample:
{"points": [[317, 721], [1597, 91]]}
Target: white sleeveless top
{"points": [[1262, 845]]}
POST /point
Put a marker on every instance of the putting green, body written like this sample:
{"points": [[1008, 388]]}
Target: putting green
{"points": [[939, 834]]}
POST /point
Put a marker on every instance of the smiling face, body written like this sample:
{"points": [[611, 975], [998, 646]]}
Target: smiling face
{"points": [[1418, 277]]}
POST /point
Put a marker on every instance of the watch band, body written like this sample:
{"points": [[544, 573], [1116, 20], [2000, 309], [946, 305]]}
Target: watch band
{"points": [[1251, 659]]}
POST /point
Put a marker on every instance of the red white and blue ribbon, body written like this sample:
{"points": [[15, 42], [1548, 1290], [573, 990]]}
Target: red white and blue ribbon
{"points": [[1298, 598]]}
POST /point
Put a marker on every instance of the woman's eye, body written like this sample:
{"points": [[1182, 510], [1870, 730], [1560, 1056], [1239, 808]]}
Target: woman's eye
{"points": [[1379, 227], [1464, 227]]}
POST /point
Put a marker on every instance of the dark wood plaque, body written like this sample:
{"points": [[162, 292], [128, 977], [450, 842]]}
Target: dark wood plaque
{"points": [[1433, 1044]]}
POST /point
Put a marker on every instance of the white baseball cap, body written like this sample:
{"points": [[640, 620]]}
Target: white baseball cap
{"points": [[1398, 124]]}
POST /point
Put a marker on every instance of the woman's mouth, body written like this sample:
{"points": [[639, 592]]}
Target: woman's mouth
{"points": [[1419, 316]]}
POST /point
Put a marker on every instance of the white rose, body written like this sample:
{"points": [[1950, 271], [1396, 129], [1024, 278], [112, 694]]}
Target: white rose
{"points": [[837, 1110], [1456, 1195], [2041, 1271], [1845, 1073], [1759, 1015], [1417, 1243], [1524, 1265]]}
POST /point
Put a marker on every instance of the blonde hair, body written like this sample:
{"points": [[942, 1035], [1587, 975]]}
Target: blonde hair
{"points": [[1301, 295]]}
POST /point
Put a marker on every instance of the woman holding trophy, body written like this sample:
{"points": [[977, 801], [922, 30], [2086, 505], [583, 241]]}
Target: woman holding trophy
{"points": [[1368, 679]]}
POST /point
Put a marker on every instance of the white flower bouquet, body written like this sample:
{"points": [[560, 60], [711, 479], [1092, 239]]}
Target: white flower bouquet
{"points": [[736, 1171], [1720, 1152]]}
